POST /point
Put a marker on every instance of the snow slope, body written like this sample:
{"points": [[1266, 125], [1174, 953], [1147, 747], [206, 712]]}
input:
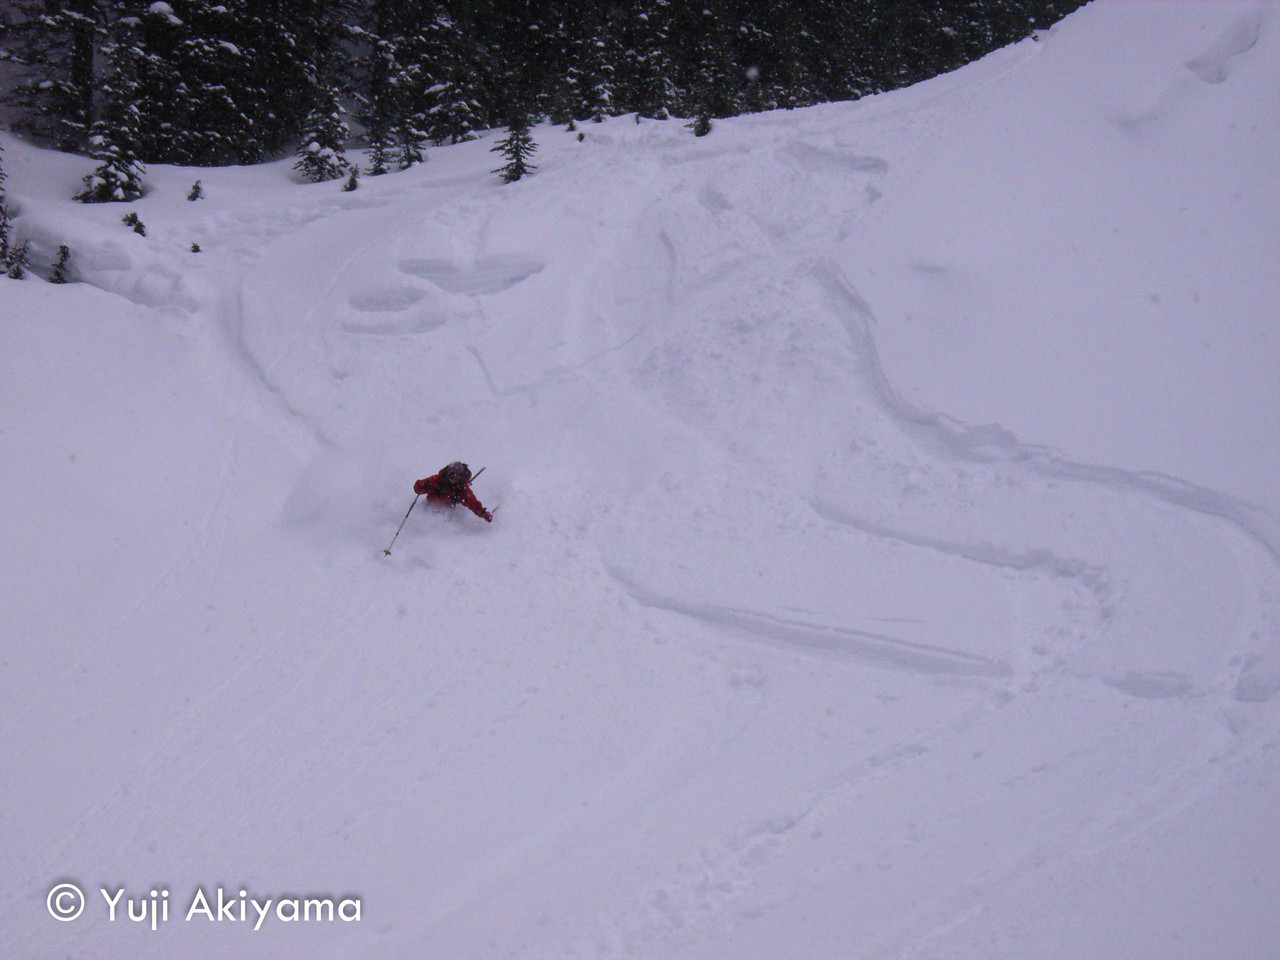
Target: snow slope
{"points": [[887, 563]]}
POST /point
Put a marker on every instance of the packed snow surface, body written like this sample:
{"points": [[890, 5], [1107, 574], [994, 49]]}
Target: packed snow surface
{"points": [[886, 562]]}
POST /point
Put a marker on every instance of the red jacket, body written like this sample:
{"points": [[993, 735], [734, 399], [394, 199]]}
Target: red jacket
{"points": [[437, 490]]}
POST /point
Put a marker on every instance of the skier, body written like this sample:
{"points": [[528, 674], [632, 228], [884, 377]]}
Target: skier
{"points": [[452, 486]]}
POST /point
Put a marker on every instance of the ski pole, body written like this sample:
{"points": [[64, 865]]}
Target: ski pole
{"points": [[387, 552]]}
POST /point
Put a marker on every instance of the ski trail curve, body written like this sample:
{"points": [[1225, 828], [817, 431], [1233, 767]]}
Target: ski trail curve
{"points": [[990, 442]]}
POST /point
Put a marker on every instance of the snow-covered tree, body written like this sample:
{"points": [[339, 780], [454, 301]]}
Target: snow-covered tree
{"points": [[411, 137], [56, 46], [190, 94], [379, 115], [789, 77], [381, 149], [217, 81], [285, 42], [118, 177], [717, 81], [17, 261], [407, 92], [391, 86], [646, 71], [588, 81], [216, 122], [115, 137], [321, 153], [451, 96]]}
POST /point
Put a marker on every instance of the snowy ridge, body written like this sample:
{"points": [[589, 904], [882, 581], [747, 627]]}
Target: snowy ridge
{"points": [[886, 563]]}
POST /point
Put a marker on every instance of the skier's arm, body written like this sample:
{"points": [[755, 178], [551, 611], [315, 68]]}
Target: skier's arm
{"points": [[475, 506]]}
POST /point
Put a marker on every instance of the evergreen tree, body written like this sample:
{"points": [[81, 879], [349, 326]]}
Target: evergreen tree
{"points": [[408, 85], [60, 267], [588, 84], [559, 103], [56, 44], [517, 147], [451, 107], [149, 64], [17, 261], [189, 91], [4, 212], [380, 107], [380, 147], [716, 83], [392, 87], [115, 138], [118, 177], [285, 42], [513, 53], [321, 153], [216, 122], [646, 68], [789, 77], [412, 136], [215, 81]]}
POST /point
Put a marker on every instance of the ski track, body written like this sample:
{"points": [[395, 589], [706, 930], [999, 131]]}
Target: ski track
{"points": [[950, 447], [860, 645], [951, 444]]}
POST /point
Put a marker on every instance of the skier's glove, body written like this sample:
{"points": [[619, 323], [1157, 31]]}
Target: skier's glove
{"points": [[488, 517]]}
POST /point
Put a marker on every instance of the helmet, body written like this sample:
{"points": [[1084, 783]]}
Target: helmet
{"points": [[456, 474]]}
